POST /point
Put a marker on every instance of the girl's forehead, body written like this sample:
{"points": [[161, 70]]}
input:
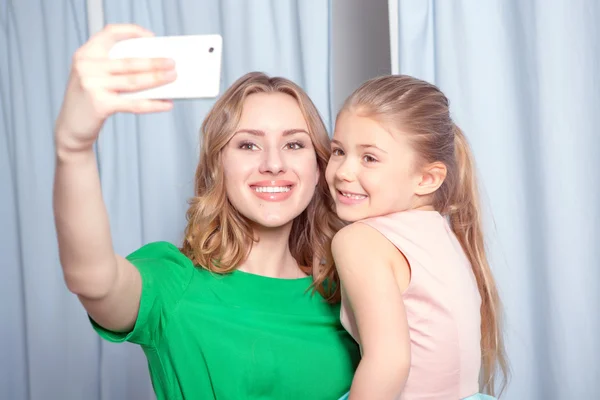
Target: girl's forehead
{"points": [[361, 129]]}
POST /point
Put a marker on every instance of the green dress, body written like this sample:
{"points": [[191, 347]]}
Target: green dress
{"points": [[235, 336]]}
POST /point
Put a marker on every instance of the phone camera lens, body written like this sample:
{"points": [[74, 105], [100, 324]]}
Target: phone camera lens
{"points": [[210, 50]]}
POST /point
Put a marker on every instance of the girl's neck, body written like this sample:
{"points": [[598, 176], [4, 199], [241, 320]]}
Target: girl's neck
{"points": [[271, 255], [426, 207]]}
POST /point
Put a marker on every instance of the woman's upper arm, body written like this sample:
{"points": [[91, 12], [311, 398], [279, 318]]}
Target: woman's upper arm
{"points": [[365, 261], [153, 281], [118, 309]]}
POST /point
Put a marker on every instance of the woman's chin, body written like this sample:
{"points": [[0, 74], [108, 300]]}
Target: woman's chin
{"points": [[271, 221]]}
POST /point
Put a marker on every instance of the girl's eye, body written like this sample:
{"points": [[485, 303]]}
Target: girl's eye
{"points": [[337, 152], [247, 146], [295, 145], [369, 159]]}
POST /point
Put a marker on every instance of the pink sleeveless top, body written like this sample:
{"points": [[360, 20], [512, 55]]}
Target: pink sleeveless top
{"points": [[442, 304]]}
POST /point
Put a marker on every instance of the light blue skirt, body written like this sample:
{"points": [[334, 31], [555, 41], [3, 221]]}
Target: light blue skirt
{"points": [[478, 396]]}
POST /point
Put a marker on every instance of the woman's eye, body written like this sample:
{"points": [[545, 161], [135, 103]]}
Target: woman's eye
{"points": [[337, 152], [295, 145], [369, 159], [248, 146]]}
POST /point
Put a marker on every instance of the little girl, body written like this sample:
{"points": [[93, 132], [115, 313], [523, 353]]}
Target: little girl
{"points": [[417, 290]]}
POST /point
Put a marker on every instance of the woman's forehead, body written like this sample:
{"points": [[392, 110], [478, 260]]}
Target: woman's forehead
{"points": [[272, 114]]}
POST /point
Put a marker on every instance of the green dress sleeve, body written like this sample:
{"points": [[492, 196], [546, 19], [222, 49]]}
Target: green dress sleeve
{"points": [[166, 273]]}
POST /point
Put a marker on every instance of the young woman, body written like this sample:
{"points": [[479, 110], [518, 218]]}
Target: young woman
{"points": [[231, 314]]}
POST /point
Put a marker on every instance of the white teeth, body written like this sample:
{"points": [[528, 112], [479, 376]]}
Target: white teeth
{"points": [[354, 196], [272, 189]]}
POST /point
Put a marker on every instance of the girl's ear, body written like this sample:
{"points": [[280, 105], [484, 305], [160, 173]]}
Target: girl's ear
{"points": [[431, 178]]}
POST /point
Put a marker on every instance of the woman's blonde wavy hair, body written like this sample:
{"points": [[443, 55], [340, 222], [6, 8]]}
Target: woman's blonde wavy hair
{"points": [[217, 237]]}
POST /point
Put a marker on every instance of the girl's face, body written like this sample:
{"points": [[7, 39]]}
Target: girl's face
{"points": [[371, 171], [270, 164]]}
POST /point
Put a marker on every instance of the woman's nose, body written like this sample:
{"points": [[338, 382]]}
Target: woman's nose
{"points": [[273, 162]]}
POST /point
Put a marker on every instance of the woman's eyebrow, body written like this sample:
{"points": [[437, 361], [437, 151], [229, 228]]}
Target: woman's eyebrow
{"points": [[258, 132]]}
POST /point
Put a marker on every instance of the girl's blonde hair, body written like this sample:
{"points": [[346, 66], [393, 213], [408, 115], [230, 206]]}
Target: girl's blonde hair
{"points": [[217, 236], [421, 110]]}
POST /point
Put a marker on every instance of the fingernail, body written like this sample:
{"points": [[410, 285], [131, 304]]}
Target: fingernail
{"points": [[171, 74], [169, 62]]}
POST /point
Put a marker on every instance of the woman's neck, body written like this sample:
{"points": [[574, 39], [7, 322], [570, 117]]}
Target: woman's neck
{"points": [[271, 255]]}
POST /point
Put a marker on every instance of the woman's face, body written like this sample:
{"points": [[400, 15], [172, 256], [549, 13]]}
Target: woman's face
{"points": [[270, 164]]}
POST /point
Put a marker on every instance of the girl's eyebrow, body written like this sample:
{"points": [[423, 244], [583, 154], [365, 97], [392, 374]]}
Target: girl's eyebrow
{"points": [[362, 145], [369, 145]]}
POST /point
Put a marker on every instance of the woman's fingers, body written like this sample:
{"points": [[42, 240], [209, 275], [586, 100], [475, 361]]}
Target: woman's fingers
{"points": [[100, 43], [134, 65], [85, 66], [113, 33], [125, 75], [142, 106], [92, 93], [97, 73], [135, 82]]}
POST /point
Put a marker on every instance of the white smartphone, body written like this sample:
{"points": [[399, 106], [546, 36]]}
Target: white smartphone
{"points": [[197, 63]]}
